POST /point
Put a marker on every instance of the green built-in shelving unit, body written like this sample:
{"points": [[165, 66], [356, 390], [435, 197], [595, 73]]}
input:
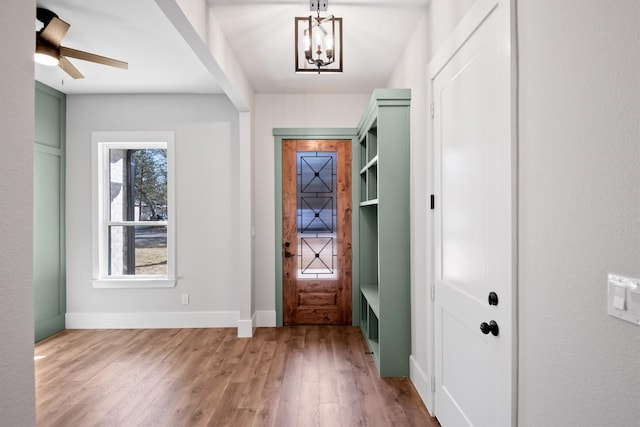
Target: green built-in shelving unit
{"points": [[384, 259]]}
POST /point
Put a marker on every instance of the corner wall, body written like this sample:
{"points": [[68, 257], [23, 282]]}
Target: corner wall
{"points": [[579, 104], [206, 152], [579, 138], [434, 28], [17, 405]]}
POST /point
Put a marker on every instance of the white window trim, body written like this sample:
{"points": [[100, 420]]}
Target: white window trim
{"points": [[100, 143]]}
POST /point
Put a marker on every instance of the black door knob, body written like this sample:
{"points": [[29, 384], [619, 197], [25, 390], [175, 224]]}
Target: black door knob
{"points": [[492, 327], [493, 298]]}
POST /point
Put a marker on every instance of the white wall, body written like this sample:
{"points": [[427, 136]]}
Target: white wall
{"points": [[286, 111], [579, 138], [436, 25], [206, 152], [17, 404]]}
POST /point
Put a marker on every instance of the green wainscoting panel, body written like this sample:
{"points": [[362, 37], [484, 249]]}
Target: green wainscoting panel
{"points": [[49, 277], [317, 133], [49, 114]]}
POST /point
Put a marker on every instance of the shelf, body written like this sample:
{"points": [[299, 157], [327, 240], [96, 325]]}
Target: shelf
{"points": [[373, 329], [363, 152], [370, 292], [369, 180], [372, 182], [371, 162], [384, 233], [364, 312], [372, 143], [368, 145], [369, 322]]}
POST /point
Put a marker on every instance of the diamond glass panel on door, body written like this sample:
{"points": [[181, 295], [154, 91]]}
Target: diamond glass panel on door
{"points": [[316, 211]]}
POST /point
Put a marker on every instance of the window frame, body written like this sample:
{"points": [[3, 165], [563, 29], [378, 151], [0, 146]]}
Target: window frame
{"points": [[101, 143]]}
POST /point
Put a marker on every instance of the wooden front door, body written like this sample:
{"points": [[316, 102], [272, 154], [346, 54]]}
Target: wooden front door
{"points": [[316, 231]]}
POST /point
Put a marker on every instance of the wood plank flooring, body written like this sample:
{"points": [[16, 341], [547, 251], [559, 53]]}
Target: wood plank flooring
{"points": [[290, 376]]}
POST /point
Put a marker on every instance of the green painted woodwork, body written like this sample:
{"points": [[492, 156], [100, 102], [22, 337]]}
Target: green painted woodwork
{"points": [[384, 262], [316, 133], [48, 212]]}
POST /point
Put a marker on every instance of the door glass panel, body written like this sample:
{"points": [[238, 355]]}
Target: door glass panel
{"points": [[317, 256]]}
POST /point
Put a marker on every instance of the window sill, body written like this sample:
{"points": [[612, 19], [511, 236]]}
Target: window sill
{"points": [[137, 283]]}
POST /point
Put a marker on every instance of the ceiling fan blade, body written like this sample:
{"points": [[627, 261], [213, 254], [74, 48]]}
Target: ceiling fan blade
{"points": [[86, 56], [69, 68], [55, 31]]}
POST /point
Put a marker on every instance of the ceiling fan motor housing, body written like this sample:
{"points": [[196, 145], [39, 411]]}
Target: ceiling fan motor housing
{"points": [[45, 16]]}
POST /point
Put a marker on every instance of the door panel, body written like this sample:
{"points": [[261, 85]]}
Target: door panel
{"points": [[316, 224], [46, 229], [48, 212], [473, 229]]}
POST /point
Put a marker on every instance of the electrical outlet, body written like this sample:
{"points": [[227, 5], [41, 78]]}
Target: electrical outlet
{"points": [[185, 299]]}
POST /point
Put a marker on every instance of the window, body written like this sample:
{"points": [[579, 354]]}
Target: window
{"points": [[317, 215], [133, 209]]}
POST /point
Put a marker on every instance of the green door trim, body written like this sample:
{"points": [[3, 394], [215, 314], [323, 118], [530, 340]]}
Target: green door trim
{"points": [[317, 133], [56, 322]]}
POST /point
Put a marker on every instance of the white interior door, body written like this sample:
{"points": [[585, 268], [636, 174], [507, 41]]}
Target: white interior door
{"points": [[474, 222]]}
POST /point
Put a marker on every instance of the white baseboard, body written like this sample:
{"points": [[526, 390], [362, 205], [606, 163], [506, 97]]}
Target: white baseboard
{"points": [[265, 318], [153, 320], [246, 327], [421, 382]]}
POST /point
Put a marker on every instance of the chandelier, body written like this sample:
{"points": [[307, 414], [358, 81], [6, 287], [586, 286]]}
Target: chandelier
{"points": [[318, 41]]}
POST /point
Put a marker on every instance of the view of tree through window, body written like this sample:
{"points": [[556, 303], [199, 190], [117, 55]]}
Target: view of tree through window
{"points": [[138, 212], [150, 168]]}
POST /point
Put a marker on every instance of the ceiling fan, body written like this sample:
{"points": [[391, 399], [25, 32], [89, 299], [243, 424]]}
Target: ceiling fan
{"points": [[50, 52]]}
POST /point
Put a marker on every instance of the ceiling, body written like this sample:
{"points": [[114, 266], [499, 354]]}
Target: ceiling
{"points": [[134, 31], [260, 33]]}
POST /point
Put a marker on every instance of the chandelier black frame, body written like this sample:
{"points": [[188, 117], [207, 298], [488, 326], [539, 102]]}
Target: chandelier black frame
{"points": [[322, 53]]}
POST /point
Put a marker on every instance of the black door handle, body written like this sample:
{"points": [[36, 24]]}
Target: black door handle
{"points": [[287, 254], [492, 327], [493, 298]]}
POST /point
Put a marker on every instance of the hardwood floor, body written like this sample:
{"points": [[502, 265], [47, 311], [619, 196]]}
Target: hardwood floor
{"points": [[291, 376]]}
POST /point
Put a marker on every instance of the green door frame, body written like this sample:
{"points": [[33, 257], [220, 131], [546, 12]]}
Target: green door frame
{"points": [[318, 133]]}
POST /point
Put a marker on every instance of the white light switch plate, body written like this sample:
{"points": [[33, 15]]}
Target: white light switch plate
{"points": [[623, 298]]}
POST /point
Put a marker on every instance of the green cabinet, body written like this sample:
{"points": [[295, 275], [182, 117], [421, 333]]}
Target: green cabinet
{"points": [[48, 212], [384, 257]]}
